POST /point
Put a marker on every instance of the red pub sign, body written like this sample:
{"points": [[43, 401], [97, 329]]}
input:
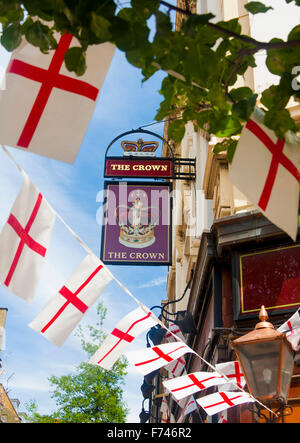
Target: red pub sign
{"points": [[138, 168]]}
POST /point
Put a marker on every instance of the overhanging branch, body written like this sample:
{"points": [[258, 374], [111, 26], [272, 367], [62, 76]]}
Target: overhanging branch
{"points": [[244, 38]]}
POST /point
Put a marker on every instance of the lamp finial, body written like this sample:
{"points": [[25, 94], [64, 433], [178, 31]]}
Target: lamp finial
{"points": [[263, 315]]}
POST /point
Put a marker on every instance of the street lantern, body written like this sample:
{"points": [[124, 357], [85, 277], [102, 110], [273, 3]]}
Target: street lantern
{"points": [[267, 360]]}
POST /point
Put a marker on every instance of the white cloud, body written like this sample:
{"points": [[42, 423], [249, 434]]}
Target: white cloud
{"points": [[152, 283]]}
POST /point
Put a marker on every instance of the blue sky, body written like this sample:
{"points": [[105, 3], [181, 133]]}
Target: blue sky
{"points": [[124, 104]]}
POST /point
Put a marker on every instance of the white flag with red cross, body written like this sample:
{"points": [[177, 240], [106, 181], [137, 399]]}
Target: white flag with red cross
{"points": [[24, 241], [223, 418], [149, 359], [176, 367], [130, 327], [190, 407], [232, 370], [266, 170], [219, 401], [189, 384], [291, 328], [45, 108], [66, 309], [164, 410], [174, 329]]}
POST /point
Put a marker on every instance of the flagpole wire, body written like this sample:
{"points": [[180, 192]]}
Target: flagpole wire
{"points": [[90, 252]]}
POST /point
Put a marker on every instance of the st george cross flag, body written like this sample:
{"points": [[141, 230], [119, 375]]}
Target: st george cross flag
{"points": [[45, 108], [24, 240], [65, 310], [190, 407], [233, 372], [219, 401], [291, 328], [149, 359], [176, 367], [223, 418], [188, 384], [174, 329], [132, 325], [266, 170], [164, 410]]}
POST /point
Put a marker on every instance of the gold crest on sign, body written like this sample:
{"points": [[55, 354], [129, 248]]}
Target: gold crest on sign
{"points": [[139, 148]]}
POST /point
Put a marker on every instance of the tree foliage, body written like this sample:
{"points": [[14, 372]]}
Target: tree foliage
{"points": [[204, 58], [90, 394]]}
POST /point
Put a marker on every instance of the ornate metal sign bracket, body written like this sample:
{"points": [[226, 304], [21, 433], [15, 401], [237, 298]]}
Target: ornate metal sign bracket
{"points": [[139, 160]]}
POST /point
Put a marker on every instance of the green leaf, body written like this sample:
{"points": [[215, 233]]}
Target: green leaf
{"points": [[201, 65], [10, 13], [225, 126], [11, 37], [75, 60], [244, 108], [145, 8], [228, 145], [279, 61], [242, 93], [164, 109], [231, 150], [176, 130], [129, 34], [280, 121], [231, 25], [257, 7], [163, 25], [217, 97], [275, 97], [101, 27], [294, 33], [274, 60], [37, 35], [194, 23]]}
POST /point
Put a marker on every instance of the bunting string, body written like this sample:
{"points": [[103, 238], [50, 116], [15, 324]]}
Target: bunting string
{"points": [[129, 293]]}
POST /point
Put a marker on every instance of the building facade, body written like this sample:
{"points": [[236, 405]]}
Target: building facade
{"points": [[232, 257]]}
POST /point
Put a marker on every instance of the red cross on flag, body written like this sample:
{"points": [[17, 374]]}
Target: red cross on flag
{"points": [[219, 401], [266, 170], [24, 240], [233, 371], [188, 384], [174, 329], [45, 108], [149, 359], [65, 310], [132, 325], [176, 367], [291, 328]]}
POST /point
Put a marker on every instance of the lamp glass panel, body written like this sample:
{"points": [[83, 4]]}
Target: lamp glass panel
{"points": [[261, 365], [287, 369]]}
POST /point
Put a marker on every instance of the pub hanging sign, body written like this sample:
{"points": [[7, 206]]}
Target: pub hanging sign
{"points": [[137, 221], [137, 224]]}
